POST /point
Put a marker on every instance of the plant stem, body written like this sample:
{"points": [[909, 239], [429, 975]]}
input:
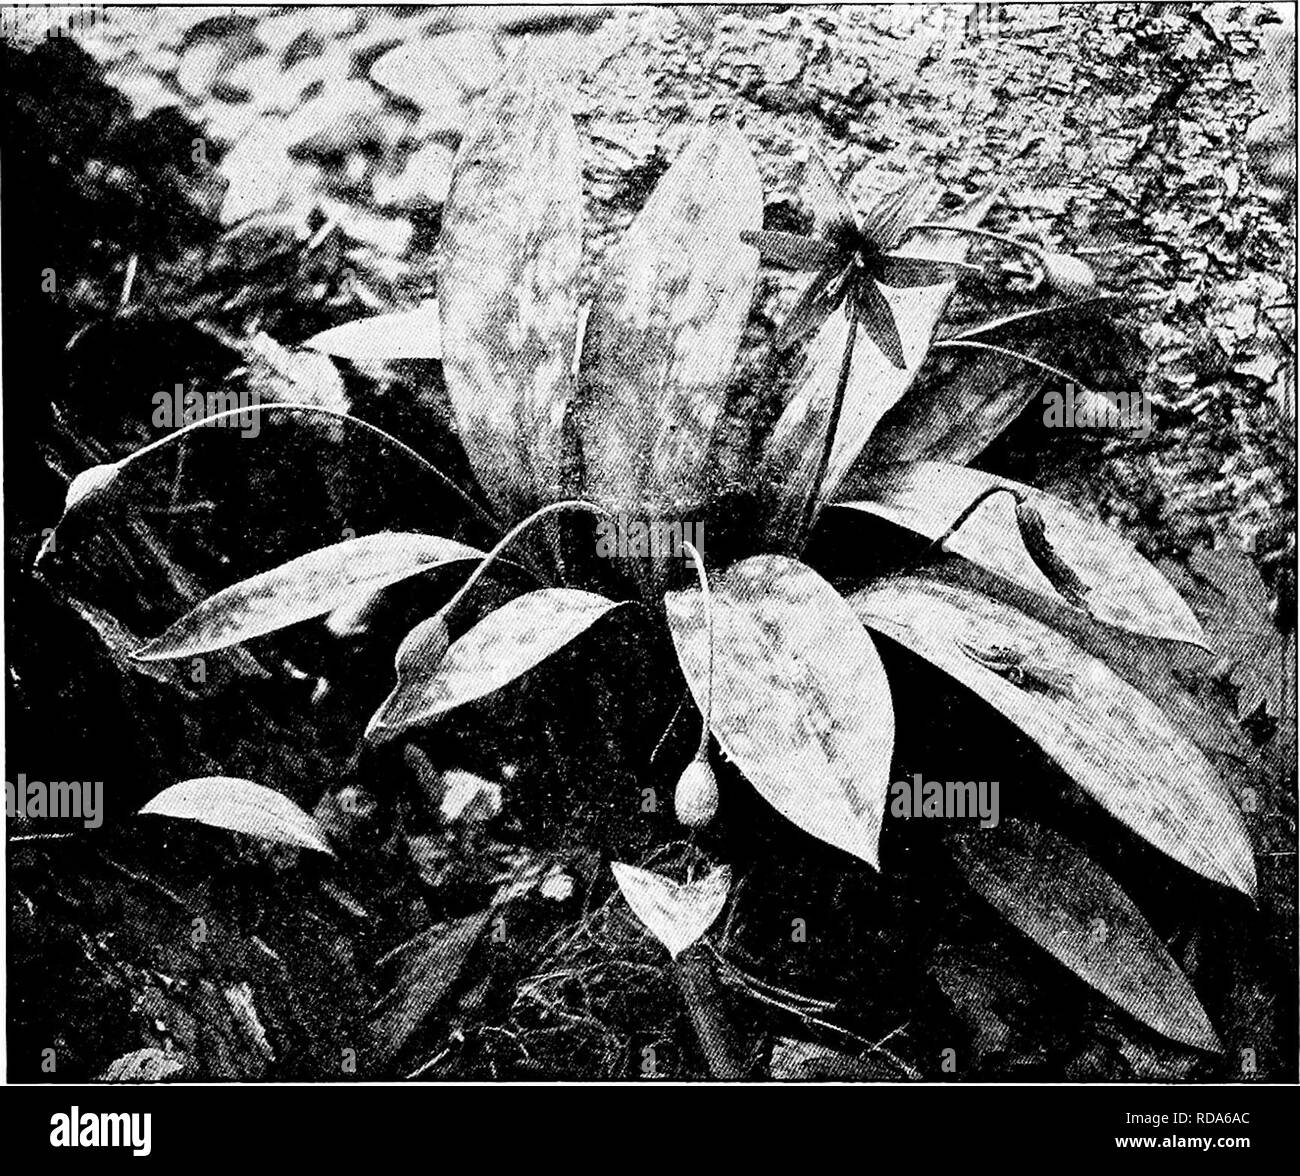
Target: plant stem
{"points": [[482, 513], [954, 344], [971, 509], [832, 425], [509, 537], [940, 227], [703, 753]]}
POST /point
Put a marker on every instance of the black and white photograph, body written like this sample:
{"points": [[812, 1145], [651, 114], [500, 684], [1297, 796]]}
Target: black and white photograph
{"points": [[650, 544]]}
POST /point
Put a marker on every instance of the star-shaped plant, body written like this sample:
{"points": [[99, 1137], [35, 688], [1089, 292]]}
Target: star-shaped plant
{"points": [[1047, 616]]}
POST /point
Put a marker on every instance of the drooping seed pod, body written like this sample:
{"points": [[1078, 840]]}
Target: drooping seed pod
{"points": [[423, 647], [1033, 533], [1069, 275], [89, 484], [696, 798]]}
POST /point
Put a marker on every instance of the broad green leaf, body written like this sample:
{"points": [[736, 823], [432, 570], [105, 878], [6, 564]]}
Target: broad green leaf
{"points": [[1114, 741], [1058, 896], [405, 334], [792, 451], [676, 913], [508, 258], [1123, 589], [664, 329], [503, 646], [800, 699], [227, 802], [309, 586]]}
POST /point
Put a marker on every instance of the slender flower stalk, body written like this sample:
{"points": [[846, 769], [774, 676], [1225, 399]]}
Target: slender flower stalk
{"points": [[109, 471], [832, 425], [696, 798]]}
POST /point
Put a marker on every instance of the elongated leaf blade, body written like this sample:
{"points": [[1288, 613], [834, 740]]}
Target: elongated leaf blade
{"points": [[503, 646], [143, 1065], [800, 699], [1114, 741], [309, 586], [676, 913], [428, 966], [1122, 588], [227, 802], [792, 452], [508, 259], [405, 334], [1067, 904], [975, 396], [664, 329]]}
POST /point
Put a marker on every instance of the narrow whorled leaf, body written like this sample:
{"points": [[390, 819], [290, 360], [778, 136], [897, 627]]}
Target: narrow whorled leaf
{"points": [[676, 913], [792, 451], [309, 586], [1066, 903], [227, 802], [664, 328], [503, 646], [1119, 587], [508, 259], [405, 334], [800, 699], [1114, 741]]}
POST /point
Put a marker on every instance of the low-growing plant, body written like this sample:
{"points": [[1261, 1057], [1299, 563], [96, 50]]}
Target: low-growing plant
{"points": [[570, 418]]}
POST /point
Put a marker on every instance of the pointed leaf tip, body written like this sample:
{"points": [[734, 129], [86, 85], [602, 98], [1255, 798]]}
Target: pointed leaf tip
{"points": [[676, 913]]}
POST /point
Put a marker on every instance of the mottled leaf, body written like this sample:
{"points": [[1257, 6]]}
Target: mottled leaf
{"points": [[405, 334], [306, 587], [508, 258], [226, 802], [664, 329], [1120, 587], [800, 699], [143, 1065], [503, 646], [1045, 886], [792, 451], [1114, 741], [676, 913]]}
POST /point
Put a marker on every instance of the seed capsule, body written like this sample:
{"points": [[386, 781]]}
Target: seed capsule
{"points": [[696, 799], [1033, 533], [91, 483], [1069, 275], [423, 647]]}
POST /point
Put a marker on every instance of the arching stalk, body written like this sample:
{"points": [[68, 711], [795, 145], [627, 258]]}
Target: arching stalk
{"points": [[510, 536], [482, 513], [1008, 353], [832, 425], [980, 498], [703, 752]]}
